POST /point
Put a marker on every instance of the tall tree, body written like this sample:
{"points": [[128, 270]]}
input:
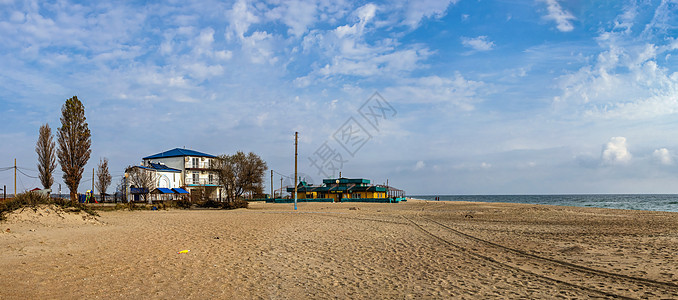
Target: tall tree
{"points": [[74, 140], [46, 156], [241, 173], [103, 178]]}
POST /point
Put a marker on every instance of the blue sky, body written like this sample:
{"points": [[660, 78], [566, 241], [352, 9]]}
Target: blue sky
{"points": [[476, 97]]}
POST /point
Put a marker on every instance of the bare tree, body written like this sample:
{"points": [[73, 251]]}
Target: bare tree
{"points": [[142, 179], [103, 178], [120, 191], [241, 173], [202, 193], [46, 156], [74, 140]]}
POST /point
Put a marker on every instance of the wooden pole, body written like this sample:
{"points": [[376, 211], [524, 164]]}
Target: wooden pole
{"points": [[272, 185], [15, 178]]}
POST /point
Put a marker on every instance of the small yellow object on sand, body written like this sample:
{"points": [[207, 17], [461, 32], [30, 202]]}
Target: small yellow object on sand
{"points": [[183, 251]]}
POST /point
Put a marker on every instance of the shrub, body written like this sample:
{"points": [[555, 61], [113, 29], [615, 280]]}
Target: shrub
{"points": [[209, 203], [34, 199], [181, 204], [235, 204]]}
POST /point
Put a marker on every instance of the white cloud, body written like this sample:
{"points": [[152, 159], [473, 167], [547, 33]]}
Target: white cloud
{"points": [[420, 165], [457, 92], [559, 15], [346, 51], [663, 156], [630, 79], [625, 20], [663, 20], [420, 9], [77, 27], [480, 43], [240, 18], [297, 15], [366, 12], [260, 47], [616, 152]]}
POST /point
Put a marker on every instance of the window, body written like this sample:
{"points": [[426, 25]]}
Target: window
{"points": [[196, 178], [211, 176], [356, 195], [195, 162]]}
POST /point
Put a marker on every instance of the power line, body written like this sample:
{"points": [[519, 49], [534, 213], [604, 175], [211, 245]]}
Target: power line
{"points": [[283, 175], [22, 172]]}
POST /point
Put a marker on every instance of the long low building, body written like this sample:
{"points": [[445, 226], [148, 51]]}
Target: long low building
{"points": [[346, 190]]}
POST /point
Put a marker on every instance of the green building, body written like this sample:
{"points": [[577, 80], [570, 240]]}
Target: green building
{"points": [[346, 190]]}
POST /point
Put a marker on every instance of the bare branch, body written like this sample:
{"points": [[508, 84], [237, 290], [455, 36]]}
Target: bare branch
{"points": [[46, 156], [240, 174], [103, 177]]}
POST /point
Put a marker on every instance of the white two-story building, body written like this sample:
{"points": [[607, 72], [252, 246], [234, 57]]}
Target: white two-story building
{"points": [[182, 169]]}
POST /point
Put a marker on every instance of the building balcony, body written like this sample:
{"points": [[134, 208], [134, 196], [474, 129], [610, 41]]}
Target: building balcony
{"points": [[199, 166], [201, 181]]}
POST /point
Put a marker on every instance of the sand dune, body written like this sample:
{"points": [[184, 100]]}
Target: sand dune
{"points": [[408, 250]]}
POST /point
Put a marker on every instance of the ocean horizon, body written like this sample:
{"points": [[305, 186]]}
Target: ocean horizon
{"points": [[650, 202]]}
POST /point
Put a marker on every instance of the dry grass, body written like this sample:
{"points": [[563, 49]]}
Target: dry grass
{"points": [[34, 199]]}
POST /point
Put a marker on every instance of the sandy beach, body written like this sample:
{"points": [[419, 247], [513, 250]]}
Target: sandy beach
{"points": [[416, 249]]}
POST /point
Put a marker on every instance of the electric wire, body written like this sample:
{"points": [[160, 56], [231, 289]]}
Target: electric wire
{"points": [[283, 175]]}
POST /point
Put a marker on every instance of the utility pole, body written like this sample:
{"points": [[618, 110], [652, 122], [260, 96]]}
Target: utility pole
{"points": [[92, 181], [272, 196], [15, 178], [296, 137], [281, 179]]}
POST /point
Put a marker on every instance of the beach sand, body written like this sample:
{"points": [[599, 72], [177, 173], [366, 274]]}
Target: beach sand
{"points": [[416, 249]]}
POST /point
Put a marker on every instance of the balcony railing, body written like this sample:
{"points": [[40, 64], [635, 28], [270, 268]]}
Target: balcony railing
{"points": [[200, 165], [201, 181]]}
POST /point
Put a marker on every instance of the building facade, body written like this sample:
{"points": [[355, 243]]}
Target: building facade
{"points": [[347, 190], [183, 169]]}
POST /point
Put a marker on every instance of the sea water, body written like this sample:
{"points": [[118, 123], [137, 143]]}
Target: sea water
{"points": [[658, 202]]}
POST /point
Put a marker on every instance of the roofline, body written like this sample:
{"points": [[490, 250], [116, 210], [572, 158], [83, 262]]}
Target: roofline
{"points": [[159, 170], [181, 150]]}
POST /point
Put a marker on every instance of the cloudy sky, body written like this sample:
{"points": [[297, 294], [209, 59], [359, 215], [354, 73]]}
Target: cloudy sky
{"points": [[438, 97]]}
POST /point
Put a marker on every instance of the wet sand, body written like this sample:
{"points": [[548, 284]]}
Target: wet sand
{"points": [[416, 249]]}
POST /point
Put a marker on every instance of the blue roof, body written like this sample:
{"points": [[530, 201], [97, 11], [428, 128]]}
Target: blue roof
{"points": [[164, 191], [179, 152], [180, 191], [161, 167]]}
